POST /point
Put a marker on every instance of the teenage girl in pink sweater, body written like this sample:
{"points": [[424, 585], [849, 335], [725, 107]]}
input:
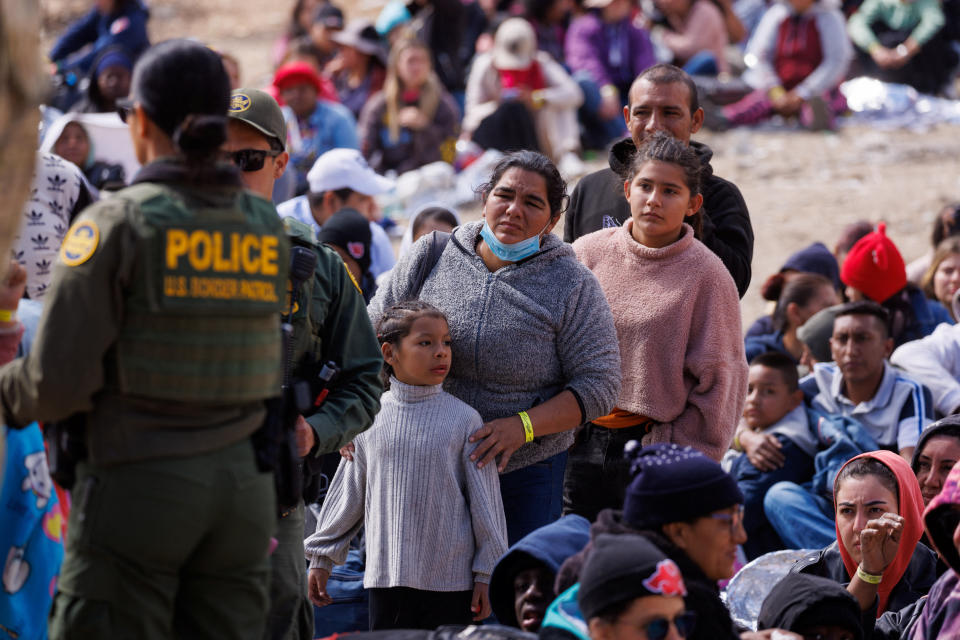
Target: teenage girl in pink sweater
{"points": [[677, 315]]}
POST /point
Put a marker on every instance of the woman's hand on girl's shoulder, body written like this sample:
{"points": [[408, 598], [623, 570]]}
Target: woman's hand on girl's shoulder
{"points": [[346, 451], [498, 438]]}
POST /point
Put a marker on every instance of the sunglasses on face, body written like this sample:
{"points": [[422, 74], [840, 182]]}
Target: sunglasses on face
{"points": [[658, 628], [124, 107], [250, 159]]}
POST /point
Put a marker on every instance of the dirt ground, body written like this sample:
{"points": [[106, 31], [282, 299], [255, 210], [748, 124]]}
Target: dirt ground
{"points": [[800, 187]]}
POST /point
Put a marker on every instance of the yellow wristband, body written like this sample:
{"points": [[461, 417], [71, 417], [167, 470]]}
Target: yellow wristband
{"points": [[869, 578], [8, 315], [527, 426], [777, 93]]}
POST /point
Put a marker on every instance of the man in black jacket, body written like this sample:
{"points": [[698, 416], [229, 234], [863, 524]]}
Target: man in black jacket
{"points": [[664, 98]]}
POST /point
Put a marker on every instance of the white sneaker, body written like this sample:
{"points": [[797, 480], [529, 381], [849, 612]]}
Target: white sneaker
{"points": [[571, 166]]}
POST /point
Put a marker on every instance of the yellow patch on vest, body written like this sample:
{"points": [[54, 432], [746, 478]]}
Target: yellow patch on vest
{"points": [[296, 305], [223, 252], [81, 242], [211, 265]]}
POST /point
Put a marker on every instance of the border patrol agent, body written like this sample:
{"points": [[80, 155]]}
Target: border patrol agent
{"points": [[162, 329], [330, 323]]}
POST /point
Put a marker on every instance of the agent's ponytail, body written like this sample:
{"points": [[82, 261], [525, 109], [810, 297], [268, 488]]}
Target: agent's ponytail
{"points": [[199, 137]]}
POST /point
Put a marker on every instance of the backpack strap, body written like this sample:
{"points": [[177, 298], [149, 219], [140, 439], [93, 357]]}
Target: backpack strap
{"points": [[438, 242]]}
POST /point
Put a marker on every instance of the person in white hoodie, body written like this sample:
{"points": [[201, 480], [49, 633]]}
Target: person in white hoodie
{"points": [[796, 59], [935, 361]]}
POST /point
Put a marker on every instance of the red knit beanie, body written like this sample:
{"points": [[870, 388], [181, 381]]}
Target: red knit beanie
{"points": [[875, 266]]}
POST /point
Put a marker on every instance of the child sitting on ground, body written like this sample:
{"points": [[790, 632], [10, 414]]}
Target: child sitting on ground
{"points": [[435, 524], [796, 59], [777, 440]]}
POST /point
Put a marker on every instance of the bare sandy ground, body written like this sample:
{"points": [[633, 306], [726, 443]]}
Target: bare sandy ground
{"points": [[800, 187]]}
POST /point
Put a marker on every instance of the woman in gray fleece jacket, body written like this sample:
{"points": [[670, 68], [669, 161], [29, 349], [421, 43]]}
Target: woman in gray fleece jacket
{"points": [[532, 333]]}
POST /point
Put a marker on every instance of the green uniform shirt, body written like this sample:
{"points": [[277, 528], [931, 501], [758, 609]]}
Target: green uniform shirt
{"points": [[334, 325]]}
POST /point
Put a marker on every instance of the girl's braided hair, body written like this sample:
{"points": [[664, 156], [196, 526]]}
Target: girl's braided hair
{"points": [[396, 323]]}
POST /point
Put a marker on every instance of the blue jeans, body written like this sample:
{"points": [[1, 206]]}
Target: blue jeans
{"points": [[802, 519], [702, 63], [597, 132], [797, 467], [533, 496]]}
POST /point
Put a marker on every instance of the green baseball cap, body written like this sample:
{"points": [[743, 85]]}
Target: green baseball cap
{"points": [[259, 110]]}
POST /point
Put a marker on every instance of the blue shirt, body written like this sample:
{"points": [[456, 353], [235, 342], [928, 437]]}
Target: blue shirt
{"points": [[330, 126]]}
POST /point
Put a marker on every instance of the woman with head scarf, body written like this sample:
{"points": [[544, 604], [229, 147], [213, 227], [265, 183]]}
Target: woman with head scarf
{"points": [[878, 553]]}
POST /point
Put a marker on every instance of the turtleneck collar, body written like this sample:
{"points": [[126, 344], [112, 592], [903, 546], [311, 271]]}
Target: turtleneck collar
{"points": [[411, 393], [626, 240]]}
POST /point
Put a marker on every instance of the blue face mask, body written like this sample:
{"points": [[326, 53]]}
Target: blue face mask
{"points": [[514, 252]]}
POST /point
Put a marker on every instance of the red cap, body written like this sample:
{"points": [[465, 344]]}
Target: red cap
{"points": [[875, 266], [296, 73]]}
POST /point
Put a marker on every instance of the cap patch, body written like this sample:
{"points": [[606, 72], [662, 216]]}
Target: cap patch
{"points": [[80, 243], [355, 249], [666, 580], [239, 103]]}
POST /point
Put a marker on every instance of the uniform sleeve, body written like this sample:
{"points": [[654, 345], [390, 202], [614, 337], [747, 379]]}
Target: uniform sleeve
{"points": [[934, 361], [80, 322], [588, 349], [349, 341], [486, 510], [342, 514]]}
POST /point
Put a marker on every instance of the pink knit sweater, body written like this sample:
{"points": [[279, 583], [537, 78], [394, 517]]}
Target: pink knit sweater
{"points": [[677, 315]]}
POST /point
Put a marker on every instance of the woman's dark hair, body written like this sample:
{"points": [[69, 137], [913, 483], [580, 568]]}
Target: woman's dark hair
{"points": [[867, 308], [946, 224], [663, 147], [440, 214], [850, 235], [535, 163], [800, 289], [864, 467], [184, 89], [396, 323]]}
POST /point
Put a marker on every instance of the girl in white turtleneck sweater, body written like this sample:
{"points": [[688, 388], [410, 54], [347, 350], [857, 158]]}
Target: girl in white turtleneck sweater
{"points": [[434, 521]]}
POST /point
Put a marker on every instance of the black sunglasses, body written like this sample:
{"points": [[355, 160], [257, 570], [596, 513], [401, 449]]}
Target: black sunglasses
{"points": [[658, 628], [250, 159], [124, 107]]}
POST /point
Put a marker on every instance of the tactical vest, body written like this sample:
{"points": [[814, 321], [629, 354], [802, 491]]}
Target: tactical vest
{"points": [[301, 314], [202, 319]]}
